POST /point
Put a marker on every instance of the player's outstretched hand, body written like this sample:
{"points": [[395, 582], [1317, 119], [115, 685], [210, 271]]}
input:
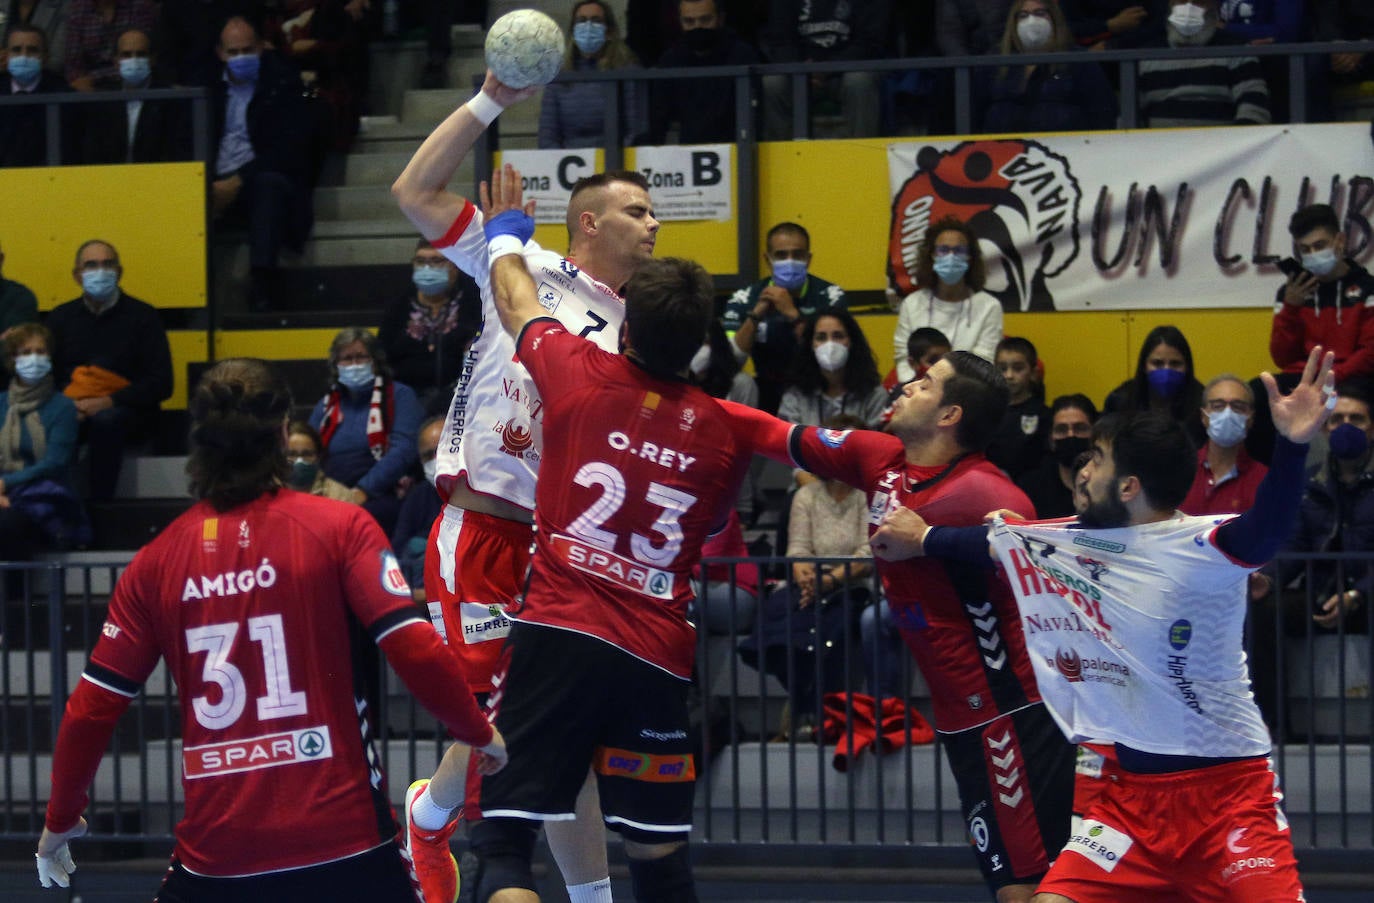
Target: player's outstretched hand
{"points": [[1299, 414], [492, 757], [54, 856], [503, 207], [504, 94], [899, 536]]}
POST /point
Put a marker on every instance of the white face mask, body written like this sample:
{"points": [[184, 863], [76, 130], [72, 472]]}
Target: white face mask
{"points": [[832, 355], [1226, 428], [1188, 19], [431, 469], [1035, 32], [700, 361]]}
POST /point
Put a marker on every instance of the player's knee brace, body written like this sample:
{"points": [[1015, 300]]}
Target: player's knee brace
{"points": [[498, 857], [667, 879]]}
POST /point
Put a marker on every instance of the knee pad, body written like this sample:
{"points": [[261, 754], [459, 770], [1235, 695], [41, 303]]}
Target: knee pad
{"points": [[667, 879], [498, 856]]}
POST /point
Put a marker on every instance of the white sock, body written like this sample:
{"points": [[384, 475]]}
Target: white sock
{"points": [[427, 814], [594, 892]]}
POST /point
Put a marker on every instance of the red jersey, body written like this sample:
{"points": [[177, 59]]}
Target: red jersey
{"points": [[258, 612], [645, 468], [1234, 493], [960, 620]]}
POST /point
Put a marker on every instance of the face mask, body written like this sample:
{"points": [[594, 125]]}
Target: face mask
{"points": [[1165, 382], [25, 69], [356, 376], [1348, 442], [1034, 32], [1320, 263], [950, 268], [1188, 19], [430, 280], [244, 68], [303, 474], [135, 71], [1067, 450], [1226, 428], [99, 284], [431, 469], [700, 40], [32, 367], [790, 274], [832, 355], [589, 37], [700, 361]]}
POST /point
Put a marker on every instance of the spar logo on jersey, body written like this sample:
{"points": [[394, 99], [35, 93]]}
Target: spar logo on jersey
{"points": [[517, 439], [549, 297], [393, 578], [1180, 634], [833, 438], [1069, 664], [1021, 200], [613, 568], [308, 744]]}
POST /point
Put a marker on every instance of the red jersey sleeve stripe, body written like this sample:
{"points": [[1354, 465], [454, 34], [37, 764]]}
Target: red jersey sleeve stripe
{"points": [[388, 624], [109, 680], [459, 226]]}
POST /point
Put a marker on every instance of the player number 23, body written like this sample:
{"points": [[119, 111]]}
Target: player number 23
{"points": [[217, 641], [674, 503]]}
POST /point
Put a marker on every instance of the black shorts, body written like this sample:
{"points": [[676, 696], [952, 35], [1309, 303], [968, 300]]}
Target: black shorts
{"points": [[569, 702], [1015, 777], [378, 875]]}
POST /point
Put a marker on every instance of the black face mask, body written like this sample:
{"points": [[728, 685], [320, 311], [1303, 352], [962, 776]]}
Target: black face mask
{"points": [[700, 40], [1067, 450]]}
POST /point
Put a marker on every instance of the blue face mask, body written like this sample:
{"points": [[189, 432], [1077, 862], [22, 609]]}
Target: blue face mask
{"points": [[99, 284], [303, 475], [951, 268], [32, 367], [356, 376], [589, 37], [244, 68], [1348, 441], [430, 280], [135, 70], [790, 274], [1320, 263], [25, 69], [1165, 382]]}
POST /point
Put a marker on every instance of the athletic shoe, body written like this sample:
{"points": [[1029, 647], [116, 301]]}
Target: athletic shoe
{"points": [[430, 855]]}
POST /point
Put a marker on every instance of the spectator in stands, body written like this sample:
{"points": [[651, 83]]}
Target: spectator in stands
{"points": [[426, 331], [1345, 20], [324, 41], [23, 129], [1024, 432], [368, 423], [716, 369], [264, 155], [573, 115], [188, 36], [838, 376], [969, 28], [819, 31], [924, 347], [49, 15], [439, 17], [1164, 382], [18, 304], [808, 619], [305, 455], [419, 508], [1226, 477], [727, 599], [1229, 91], [110, 356], [1264, 21], [703, 108], [950, 266], [763, 320], [1050, 486], [1116, 24], [136, 131], [93, 26], [37, 445], [1057, 98]]}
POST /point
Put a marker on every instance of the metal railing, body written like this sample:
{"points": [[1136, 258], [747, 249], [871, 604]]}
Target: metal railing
{"points": [[753, 787]]}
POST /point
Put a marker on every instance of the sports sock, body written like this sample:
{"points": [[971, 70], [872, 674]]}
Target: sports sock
{"points": [[427, 814], [592, 892]]}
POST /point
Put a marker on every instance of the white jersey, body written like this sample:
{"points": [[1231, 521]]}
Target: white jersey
{"points": [[494, 433], [1135, 633]]}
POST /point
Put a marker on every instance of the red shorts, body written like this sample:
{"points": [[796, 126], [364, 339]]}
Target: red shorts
{"points": [[1210, 834], [1089, 779], [474, 569]]}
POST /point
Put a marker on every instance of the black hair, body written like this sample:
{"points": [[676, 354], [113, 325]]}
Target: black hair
{"points": [[1017, 345], [237, 412], [794, 228], [1076, 401], [668, 306], [924, 338], [981, 392], [860, 369], [1314, 216], [1154, 449], [1186, 402]]}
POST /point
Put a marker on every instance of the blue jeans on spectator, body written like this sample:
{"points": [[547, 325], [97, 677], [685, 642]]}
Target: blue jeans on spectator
{"points": [[883, 651], [723, 608]]}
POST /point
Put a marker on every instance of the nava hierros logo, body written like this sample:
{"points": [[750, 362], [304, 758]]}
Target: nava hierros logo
{"points": [[1016, 195]]}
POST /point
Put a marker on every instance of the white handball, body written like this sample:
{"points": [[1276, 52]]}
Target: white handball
{"points": [[525, 48]]}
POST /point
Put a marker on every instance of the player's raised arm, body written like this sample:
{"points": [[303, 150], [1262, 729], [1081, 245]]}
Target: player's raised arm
{"points": [[422, 189], [509, 224]]}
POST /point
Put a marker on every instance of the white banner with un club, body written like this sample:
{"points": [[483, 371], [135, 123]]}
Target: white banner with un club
{"points": [[1181, 218]]}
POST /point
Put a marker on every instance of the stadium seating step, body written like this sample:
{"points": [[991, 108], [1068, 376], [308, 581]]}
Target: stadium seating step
{"points": [[130, 523]]}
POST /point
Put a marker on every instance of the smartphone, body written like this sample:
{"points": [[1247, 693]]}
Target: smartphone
{"points": [[1290, 266]]}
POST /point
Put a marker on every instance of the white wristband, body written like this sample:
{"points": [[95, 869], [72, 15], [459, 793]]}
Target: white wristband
{"points": [[484, 107], [502, 245]]}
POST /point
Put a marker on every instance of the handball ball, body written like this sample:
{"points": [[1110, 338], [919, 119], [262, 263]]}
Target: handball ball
{"points": [[525, 48]]}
